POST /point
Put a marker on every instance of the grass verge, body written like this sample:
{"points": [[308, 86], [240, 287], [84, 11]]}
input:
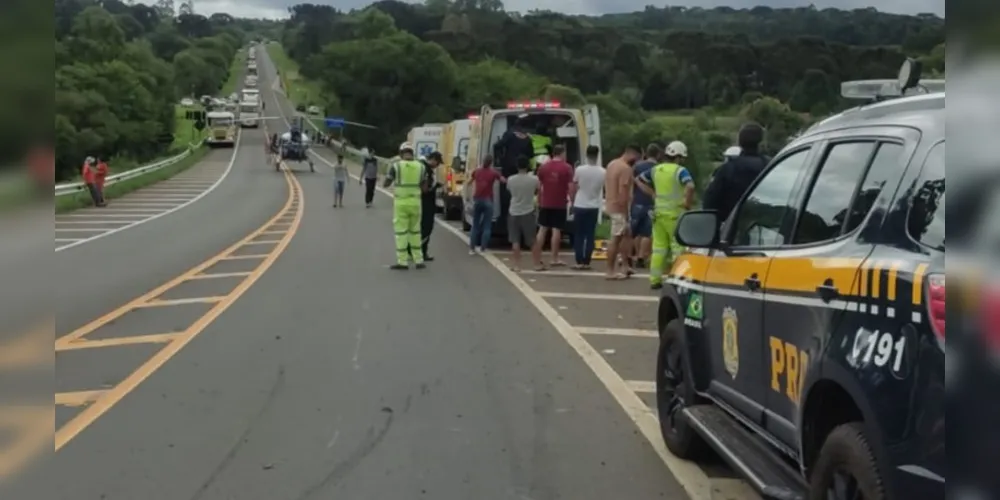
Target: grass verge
{"points": [[74, 201], [236, 72]]}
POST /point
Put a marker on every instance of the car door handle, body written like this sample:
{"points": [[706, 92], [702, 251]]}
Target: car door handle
{"points": [[752, 283], [827, 291]]}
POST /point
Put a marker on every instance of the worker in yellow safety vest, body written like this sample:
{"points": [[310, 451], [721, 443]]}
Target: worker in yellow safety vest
{"points": [[672, 189], [541, 147], [409, 178]]}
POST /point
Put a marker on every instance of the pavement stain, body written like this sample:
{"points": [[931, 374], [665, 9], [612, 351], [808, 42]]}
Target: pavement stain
{"points": [[279, 383]]}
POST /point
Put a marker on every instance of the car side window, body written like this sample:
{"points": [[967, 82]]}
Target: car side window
{"points": [[828, 206], [926, 218], [761, 215], [885, 167]]}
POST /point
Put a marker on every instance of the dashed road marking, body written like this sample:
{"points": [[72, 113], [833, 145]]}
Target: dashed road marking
{"points": [[620, 332], [599, 296]]}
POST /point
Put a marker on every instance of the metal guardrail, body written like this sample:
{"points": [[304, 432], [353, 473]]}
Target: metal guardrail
{"points": [[76, 187]]}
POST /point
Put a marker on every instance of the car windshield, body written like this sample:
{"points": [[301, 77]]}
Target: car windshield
{"points": [[220, 122], [248, 108]]}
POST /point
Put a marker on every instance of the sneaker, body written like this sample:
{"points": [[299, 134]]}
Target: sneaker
{"points": [[399, 267], [482, 250], [428, 258], [472, 251], [655, 286]]}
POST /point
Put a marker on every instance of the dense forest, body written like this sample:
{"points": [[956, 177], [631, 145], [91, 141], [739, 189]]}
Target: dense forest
{"points": [[397, 64], [120, 69]]}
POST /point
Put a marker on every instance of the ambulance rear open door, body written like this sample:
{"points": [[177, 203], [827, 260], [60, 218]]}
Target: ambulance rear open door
{"points": [[592, 119]]}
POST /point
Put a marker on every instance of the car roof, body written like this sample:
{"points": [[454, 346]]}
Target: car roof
{"points": [[922, 112]]}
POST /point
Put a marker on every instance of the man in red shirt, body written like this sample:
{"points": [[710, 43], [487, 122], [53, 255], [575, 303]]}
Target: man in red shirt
{"points": [[555, 178], [483, 179], [89, 174], [99, 177]]}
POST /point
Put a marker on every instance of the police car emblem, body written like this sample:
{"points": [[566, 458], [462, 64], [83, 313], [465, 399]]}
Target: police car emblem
{"points": [[730, 341]]}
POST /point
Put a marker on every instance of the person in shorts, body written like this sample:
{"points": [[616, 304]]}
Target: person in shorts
{"points": [[642, 207], [555, 178], [618, 185], [339, 181], [521, 219]]}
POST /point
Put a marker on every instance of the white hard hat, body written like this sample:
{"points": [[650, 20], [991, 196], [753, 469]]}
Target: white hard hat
{"points": [[677, 148], [90, 159], [733, 151], [405, 147]]}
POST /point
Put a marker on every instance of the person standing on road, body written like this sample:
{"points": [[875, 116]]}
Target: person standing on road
{"points": [[642, 208], [369, 176], [428, 201], [672, 188], [521, 219], [100, 177], [734, 177], [408, 176], [483, 179], [89, 174], [618, 185], [339, 181], [588, 196], [554, 177]]}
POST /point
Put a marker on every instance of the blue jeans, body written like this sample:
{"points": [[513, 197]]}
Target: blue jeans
{"points": [[482, 224], [584, 226]]}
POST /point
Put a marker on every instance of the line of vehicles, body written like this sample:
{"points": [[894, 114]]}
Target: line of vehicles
{"points": [[244, 109]]}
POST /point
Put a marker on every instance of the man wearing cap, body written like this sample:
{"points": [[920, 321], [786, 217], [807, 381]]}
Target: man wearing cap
{"points": [[735, 176], [672, 189], [410, 179]]}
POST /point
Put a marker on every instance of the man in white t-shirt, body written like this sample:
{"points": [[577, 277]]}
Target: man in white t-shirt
{"points": [[588, 197]]}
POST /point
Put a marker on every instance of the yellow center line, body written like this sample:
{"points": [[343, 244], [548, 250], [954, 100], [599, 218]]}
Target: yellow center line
{"points": [[112, 396], [218, 275], [158, 338], [245, 257], [180, 302], [78, 398], [34, 426], [263, 242]]}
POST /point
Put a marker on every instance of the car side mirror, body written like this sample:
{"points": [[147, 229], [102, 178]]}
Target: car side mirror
{"points": [[698, 229], [456, 164]]}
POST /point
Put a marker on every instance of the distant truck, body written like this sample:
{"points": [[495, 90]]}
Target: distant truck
{"points": [[250, 112]]}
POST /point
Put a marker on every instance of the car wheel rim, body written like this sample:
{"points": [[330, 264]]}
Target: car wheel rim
{"points": [[843, 486], [671, 377]]}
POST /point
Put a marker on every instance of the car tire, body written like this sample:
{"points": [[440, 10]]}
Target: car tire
{"points": [[846, 451], [674, 392]]}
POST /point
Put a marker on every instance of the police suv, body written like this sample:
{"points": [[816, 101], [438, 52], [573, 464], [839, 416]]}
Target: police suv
{"points": [[803, 338]]}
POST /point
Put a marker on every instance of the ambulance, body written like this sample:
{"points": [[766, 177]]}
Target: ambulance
{"points": [[575, 128], [455, 151]]}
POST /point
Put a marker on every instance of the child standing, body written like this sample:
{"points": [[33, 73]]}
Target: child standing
{"points": [[339, 181]]}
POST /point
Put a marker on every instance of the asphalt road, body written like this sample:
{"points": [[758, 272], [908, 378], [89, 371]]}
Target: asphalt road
{"points": [[294, 365]]}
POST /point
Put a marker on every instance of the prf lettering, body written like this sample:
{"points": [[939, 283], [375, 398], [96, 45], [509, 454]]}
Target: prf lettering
{"points": [[788, 368]]}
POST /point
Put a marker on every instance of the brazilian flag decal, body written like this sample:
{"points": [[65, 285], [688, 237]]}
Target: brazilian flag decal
{"points": [[694, 310]]}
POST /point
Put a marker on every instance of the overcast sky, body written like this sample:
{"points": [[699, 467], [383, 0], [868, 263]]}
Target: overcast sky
{"points": [[278, 8]]}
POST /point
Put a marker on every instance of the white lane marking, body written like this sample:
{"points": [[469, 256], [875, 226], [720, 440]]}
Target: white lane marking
{"points": [[92, 222], [585, 274], [85, 212], [81, 230], [61, 240], [599, 296], [643, 386], [689, 475], [96, 215], [174, 208], [620, 332]]}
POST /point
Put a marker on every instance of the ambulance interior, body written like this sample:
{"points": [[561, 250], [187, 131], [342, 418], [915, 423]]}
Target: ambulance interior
{"points": [[560, 124]]}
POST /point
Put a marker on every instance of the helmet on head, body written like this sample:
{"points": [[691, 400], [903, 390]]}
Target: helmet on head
{"points": [[732, 152], [90, 160], [677, 148], [405, 147]]}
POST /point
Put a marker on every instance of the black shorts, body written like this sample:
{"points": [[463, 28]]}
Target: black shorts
{"points": [[552, 218]]}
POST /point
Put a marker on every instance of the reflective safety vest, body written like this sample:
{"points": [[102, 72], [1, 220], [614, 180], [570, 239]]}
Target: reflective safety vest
{"points": [[409, 174], [540, 144], [669, 195]]}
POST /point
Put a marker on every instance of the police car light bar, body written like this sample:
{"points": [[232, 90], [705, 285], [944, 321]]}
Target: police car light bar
{"points": [[882, 89], [473, 117], [533, 105]]}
